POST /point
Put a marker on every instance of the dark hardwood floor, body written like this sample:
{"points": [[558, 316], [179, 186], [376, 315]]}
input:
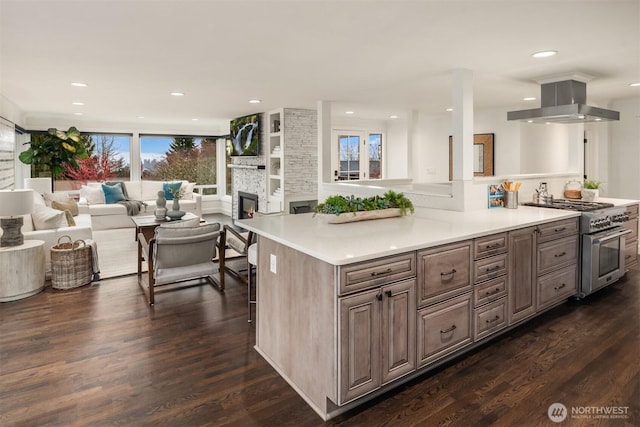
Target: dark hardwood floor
{"points": [[100, 356]]}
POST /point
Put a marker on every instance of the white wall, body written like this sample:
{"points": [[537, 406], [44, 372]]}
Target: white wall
{"points": [[623, 178]]}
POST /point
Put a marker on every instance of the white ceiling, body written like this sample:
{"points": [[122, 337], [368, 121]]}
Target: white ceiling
{"points": [[373, 57]]}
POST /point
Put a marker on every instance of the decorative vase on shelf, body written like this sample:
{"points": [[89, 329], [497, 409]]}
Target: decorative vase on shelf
{"points": [[161, 206]]}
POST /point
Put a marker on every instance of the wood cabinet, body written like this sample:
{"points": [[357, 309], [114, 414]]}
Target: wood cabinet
{"points": [[490, 268], [631, 245], [557, 263], [362, 275], [443, 272], [522, 274], [377, 338], [443, 328]]}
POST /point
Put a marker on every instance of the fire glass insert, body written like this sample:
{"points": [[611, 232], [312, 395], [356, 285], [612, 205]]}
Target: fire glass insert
{"points": [[247, 205]]}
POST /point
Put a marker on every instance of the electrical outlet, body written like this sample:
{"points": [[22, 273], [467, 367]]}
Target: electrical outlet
{"points": [[272, 265]]}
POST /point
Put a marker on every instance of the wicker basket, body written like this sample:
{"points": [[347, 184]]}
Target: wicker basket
{"points": [[71, 264]]}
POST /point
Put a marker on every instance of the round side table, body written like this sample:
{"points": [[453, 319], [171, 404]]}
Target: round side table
{"points": [[22, 270]]}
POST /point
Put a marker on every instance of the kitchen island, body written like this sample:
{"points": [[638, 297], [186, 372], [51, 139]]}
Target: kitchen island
{"points": [[348, 311]]}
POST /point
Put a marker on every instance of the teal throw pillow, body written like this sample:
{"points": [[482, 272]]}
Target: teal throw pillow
{"points": [[113, 193], [167, 187]]}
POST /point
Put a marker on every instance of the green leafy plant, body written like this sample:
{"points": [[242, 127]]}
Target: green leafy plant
{"points": [[55, 149], [591, 185], [340, 204]]}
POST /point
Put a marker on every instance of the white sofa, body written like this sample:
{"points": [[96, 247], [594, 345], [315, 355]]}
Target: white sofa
{"points": [[114, 215], [80, 231]]}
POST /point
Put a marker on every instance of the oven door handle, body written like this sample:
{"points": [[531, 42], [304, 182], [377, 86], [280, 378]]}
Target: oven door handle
{"points": [[616, 235]]}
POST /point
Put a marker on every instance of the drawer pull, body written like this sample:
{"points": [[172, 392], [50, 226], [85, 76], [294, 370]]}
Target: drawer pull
{"points": [[561, 254], [380, 273], [379, 297], [557, 230], [446, 331], [557, 288], [495, 291], [495, 319], [489, 270], [492, 246], [448, 273], [388, 293], [627, 257]]}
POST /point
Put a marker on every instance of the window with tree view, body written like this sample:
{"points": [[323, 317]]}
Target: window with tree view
{"points": [[190, 158], [108, 159]]}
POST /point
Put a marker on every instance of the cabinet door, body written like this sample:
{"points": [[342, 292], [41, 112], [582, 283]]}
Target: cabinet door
{"points": [[522, 274], [359, 344], [398, 329]]}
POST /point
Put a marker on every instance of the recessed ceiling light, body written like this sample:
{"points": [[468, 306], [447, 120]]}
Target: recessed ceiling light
{"points": [[349, 112], [634, 84], [194, 120], [141, 117], [77, 114], [547, 123], [449, 109], [177, 93], [393, 117], [529, 98], [529, 121], [77, 103], [598, 119], [79, 84], [544, 53], [255, 101]]}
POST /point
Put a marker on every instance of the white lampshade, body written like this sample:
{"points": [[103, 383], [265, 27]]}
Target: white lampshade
{"points": [[40, 185], [16, 202]]}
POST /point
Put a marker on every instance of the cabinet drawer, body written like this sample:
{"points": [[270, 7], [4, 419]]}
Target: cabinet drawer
{"points": [[632, 225], [490, 245], [631, 254], [367, 274], [632, 211], [557, 286], [489, 291], [443, 328], [443, 272], [557, 229], [489, 318], [490, 268], [555, 254]]}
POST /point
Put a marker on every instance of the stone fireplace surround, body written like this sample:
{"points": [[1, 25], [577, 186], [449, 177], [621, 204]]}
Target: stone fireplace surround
{"points": [[301, 164]]}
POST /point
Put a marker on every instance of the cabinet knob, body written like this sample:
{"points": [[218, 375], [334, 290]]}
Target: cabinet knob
{"points": [[388, 293], [379, 297]]}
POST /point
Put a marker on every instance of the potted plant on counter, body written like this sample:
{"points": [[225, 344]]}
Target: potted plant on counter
{"points": [[340, 209], [590, 190]]}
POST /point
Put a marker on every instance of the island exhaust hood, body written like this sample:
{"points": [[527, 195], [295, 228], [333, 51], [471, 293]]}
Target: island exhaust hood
{"points": [[564, 102]]}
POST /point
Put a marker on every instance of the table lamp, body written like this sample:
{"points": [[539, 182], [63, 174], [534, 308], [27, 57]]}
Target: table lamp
{"points": [[14, 204]]}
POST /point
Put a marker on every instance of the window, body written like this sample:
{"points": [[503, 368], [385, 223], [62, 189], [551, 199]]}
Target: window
{"points": [[109, 159], [191, 158], [359, 156]]}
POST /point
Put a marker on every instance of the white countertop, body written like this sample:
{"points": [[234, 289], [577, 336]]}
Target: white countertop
{"points": [[340, 244]]}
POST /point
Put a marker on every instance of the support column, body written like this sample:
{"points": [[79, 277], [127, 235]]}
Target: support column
{"points": [[324, 144], [462, 124]]}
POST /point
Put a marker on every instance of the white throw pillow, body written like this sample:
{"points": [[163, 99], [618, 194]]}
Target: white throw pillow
{"points": [[45, 218], [55, 197], [93, 194], [188, 190]]}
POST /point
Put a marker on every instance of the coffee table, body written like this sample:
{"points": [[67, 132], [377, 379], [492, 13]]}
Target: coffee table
{"points": [[147, 224]]}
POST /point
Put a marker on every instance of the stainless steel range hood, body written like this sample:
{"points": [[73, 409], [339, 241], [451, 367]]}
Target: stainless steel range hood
{"points": [[564, 102]]}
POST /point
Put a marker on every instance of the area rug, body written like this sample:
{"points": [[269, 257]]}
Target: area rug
{"points": [[117, 252]]}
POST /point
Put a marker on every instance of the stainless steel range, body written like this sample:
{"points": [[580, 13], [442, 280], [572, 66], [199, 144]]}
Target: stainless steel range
{"points": [[602, 242]]}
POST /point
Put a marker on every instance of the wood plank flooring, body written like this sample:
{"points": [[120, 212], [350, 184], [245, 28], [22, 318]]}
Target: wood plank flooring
{"points": [[100, 356]]}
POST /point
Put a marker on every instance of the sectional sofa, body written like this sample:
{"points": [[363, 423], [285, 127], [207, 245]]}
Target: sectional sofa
{"points": [[105, 216]]}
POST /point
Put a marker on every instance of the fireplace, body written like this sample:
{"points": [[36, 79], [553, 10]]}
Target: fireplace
{"points": [[247, 205]]}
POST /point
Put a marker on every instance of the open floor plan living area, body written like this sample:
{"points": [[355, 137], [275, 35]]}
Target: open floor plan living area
{"points": [[319, 213]]}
